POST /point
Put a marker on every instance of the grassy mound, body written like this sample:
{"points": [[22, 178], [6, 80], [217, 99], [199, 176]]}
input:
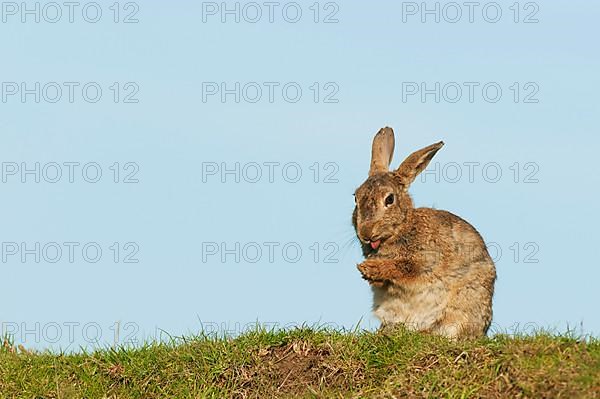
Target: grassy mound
{"points": [[313, 363]]}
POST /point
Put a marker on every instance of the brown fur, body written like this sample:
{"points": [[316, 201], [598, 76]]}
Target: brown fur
{"points": [[431, 271]]}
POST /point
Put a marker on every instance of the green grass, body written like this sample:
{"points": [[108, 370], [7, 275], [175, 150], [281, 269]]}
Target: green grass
{"points": [[313, 363]]}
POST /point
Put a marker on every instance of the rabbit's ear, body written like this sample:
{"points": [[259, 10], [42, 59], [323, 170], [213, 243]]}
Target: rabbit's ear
{"points": [[382, 151], [416, 163]]}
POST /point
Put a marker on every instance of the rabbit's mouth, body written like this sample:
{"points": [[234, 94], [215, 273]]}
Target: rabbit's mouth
{"points": [[373, 245]]}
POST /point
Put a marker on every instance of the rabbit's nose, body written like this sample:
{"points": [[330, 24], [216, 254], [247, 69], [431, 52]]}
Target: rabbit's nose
{"points": [[367, 238], [365, 232]]}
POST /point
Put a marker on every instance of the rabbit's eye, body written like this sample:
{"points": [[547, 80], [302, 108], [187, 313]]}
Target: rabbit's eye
{"points": [[389, 200]]}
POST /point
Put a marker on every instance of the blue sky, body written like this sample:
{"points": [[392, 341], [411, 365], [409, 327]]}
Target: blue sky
{"points": [[169, 133]]}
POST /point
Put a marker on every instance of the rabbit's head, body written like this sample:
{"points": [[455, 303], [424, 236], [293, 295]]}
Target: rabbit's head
{"points": [[382, 201]]}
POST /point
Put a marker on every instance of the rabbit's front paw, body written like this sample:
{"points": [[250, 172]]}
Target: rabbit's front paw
{"points": [[377, 271]]}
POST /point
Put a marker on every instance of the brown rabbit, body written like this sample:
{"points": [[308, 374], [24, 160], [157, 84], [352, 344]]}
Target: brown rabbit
{"points": [[428, 269]]}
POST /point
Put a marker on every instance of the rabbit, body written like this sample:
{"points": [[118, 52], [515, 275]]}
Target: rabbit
{"points": [[429, 270]]}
